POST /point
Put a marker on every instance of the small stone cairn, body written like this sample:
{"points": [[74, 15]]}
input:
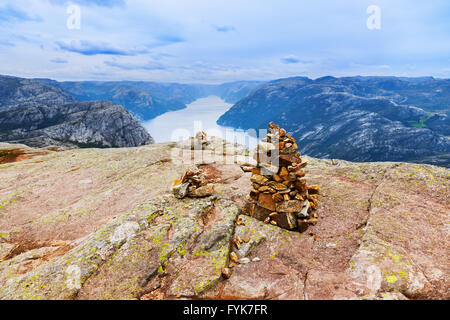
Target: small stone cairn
{"points": [[199, 142], [280, 195], [201, 138], [192, 184]]}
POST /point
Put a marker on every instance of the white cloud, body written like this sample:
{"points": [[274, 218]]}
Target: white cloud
{"points": [[233, 39]]}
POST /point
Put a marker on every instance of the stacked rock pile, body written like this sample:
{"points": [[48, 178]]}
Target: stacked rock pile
{"points": [[280, 195], [201, 138], [199, 142], [193, 184]]}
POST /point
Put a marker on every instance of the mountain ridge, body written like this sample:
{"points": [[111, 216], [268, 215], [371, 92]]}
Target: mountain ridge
{"points": [[352, 118], [147, 99], [38, 115]]}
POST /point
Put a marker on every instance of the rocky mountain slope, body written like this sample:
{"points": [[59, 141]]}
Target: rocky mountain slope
{"points": [[232, 92], [103, 224], [355, 118], [147, 100], [40, 115]]}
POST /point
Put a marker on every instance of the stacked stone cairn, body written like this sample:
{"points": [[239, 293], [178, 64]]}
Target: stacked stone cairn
{"points": [[280, 195], [201, 138], [192, 184]]}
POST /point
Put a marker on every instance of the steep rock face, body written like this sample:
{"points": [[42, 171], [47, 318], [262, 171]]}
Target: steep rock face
{"points": [[40, 115], [103, 224], [356, 119], [145, 100]]}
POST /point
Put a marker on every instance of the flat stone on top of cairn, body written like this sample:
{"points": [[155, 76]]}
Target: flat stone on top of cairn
{"points": [[280, 195]]}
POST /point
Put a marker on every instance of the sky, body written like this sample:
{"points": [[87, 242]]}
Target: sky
{"points": [[215, 41]]}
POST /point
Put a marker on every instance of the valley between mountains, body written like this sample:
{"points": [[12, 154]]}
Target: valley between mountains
{"points": [[350, 118]]}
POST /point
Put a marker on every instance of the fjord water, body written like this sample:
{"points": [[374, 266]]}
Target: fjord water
{"points": [[200, 115]]}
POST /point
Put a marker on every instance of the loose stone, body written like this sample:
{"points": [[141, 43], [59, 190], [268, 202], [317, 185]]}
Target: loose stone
{"points": [[181, 190], [244, 260], [277, 197], [234, 257], [259, 179], [302, 225], [226, 273]]}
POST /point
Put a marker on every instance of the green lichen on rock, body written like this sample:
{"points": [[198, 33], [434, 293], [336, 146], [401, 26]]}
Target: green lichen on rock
{"points": [[388, 219], [209, 250], [120, 258], [4, 236], [382, 268], [62, 277], [124, 274], [7, 202]]}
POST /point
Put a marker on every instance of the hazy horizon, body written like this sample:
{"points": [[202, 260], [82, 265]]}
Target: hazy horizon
{"points": [[218, 83]]}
